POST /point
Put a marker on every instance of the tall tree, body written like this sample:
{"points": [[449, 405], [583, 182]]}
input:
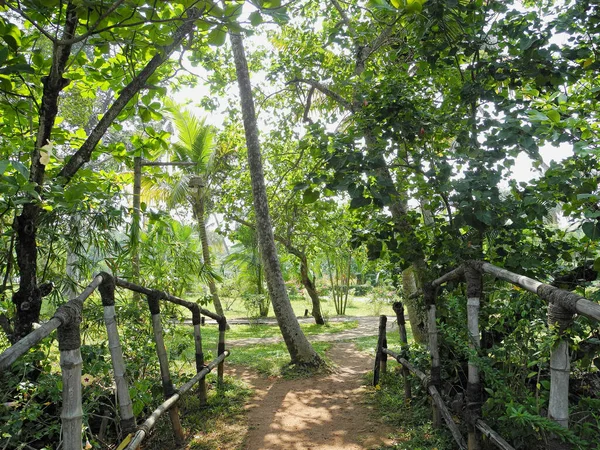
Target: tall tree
{"points": [[195, 144], [111, 28], [300, 350]]}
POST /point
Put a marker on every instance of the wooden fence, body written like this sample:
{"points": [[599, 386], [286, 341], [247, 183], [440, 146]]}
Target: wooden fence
{"points": [[67, 320], [562, 308]]}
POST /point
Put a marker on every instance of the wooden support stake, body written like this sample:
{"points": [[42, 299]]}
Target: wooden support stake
{"points": [[399, 310], [379, 354], [69, 344], [107, 292], [196, 321], [560, 370], [436, 397], [168, 389], [474, 294], [429, 294], [11, 354], [221, 350], [168, 404]]}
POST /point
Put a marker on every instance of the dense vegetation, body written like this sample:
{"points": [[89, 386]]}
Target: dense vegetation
{"points": [[391, 133]]}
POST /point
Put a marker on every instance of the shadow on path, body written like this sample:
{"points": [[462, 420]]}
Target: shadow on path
{"points": [[320, 413]]}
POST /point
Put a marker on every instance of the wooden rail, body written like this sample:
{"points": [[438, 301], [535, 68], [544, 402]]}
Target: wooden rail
{"points": [[67, 320], [562, 308]]}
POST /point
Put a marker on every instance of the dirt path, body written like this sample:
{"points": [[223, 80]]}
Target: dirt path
{"points": [[324, 413]]}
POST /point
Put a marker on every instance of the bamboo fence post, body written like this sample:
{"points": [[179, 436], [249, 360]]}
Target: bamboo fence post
{"points": [[560, 370], [429, 295], [69, 344], [197, 321], [474, 294], [107, 292], [221, 350], [11, 354], [168, 388], [379, 354], [399, 310]]}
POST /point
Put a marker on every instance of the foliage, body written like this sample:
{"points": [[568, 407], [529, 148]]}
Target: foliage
{"points": [[514, 364], [411, 421]]}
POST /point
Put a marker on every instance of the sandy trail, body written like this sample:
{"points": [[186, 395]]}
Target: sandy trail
{"points": [[322, 413]]}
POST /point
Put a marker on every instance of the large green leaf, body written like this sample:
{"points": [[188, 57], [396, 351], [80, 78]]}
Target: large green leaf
{"points": [[216, 37]]}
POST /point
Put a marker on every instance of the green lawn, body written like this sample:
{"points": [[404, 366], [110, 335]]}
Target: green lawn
{"points": [[357, 306]]}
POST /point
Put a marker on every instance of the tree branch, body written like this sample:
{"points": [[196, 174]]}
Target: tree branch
{"points": [[84, 153], [325, 90]]}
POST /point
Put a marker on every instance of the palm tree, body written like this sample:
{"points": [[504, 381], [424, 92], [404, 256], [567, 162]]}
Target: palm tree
{"points": [[194, 145]]}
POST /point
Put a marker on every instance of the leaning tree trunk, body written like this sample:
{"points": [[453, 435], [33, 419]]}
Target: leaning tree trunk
{"points": [[199, 211], [300, 350]]}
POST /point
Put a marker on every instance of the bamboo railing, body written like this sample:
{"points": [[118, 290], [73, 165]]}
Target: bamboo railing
{"points": [[67, 320], [562, 308]]}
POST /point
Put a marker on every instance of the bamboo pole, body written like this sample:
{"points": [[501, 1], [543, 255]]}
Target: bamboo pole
{"points": [[221, 350], [107, 292], [165, 296], [399, 310], [147, 426], [168, 389], [560, 319], [567, 300], [196, 321], [436, 397], [379, 354], [429, 294], [474, 294], [69, 344], [450, 276], [494, 437], [11, 354]]}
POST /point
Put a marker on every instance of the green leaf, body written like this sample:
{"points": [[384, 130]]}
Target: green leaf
{"points": [[216, 37], [17, 68], [12, 36], [3, 166], [591, 230], [360, 202], [3, 54], [19, 167], [256, 18], [271, 3], [537, 116], [310, 196], [554, 115], [300, 186]]}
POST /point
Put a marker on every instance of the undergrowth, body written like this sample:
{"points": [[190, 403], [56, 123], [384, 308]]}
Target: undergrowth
{"points": [[411, 421], [222, 423]]}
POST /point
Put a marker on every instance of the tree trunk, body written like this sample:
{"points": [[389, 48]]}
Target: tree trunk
{"points": [[300, 350], [28, 299], [312, 291], [199, 210]]}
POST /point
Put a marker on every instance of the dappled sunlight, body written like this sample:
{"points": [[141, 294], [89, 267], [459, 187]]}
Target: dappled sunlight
{"points": [[321, 413]]}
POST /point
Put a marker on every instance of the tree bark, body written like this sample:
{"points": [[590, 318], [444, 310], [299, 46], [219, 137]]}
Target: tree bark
{"points": [[27, 299], [300, 350], [312, 291], [200, 218]]}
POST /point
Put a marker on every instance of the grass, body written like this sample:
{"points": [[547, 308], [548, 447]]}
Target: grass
{"points": [[357, 306], [221, 424], [412, 422], [273, 359], [369, 343]]}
